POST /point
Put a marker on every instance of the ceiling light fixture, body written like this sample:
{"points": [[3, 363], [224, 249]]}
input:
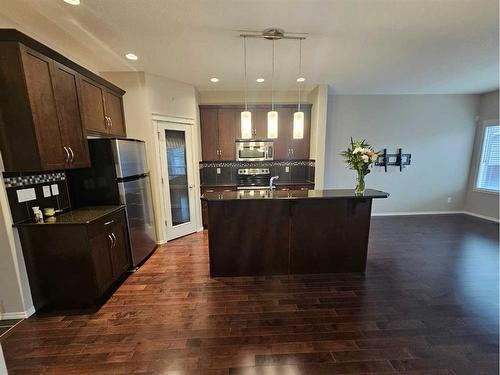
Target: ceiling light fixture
{"points": [[246, 115], [260, 80], [131, 56], [300, 79], [72, 2], [298, 117], [272, 115], [214, 80]]}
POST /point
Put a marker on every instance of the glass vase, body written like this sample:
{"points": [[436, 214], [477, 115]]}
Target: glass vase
{"points": [[360, 187]]}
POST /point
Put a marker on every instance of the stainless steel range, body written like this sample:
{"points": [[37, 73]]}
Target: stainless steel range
{"points": [[253, 178]]}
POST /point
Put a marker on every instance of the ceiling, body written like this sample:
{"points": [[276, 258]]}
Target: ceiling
{"points": [[355, 46]]}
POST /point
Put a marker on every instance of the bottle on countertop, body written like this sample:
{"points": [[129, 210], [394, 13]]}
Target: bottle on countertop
{"points": [[38, 214]]}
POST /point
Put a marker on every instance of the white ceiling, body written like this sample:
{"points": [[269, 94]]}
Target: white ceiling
{"points": [[355, 46]]}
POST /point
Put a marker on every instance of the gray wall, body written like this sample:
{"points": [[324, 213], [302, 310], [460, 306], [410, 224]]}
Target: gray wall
{"points": [[481, 203], [438, 130]]}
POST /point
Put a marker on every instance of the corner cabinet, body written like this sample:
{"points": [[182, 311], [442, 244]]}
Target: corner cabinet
{"points": [[220, 127], [44, 107], [74, 265]]}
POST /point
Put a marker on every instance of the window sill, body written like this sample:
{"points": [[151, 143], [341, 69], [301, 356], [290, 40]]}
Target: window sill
{"points": [[486, 191]]}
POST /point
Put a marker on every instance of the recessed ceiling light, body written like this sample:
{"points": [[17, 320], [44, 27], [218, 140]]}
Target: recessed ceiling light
{"points": [[131, 56], [72, 2], [214, 80], [301, 79], [260, 80]]}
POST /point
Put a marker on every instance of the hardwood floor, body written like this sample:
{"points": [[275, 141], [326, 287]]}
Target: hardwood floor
{"points": [[428, 304]]}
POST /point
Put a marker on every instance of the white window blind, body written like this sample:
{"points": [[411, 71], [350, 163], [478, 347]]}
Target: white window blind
{"points": [[488, 177]]}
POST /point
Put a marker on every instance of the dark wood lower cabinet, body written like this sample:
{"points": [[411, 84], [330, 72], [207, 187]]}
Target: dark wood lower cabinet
{"points": [[73, 266]]}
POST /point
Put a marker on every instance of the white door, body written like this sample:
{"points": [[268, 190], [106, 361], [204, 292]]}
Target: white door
{"points": [[176, 154]]}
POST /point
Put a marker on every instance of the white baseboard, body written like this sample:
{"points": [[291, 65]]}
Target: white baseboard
{"points": [[489, 218], [417, 213], [18, 315]]}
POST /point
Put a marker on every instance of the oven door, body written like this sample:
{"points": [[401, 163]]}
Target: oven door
{"points": [[251, 153]]}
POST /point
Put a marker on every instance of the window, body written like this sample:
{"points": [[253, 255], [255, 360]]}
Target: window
{"points": [[489, 166]]}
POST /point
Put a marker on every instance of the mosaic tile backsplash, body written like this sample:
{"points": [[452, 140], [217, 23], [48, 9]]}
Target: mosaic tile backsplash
{"points": [[46, 189], [226, 172]]}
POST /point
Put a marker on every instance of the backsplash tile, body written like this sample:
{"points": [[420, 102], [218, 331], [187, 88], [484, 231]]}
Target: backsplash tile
{"points": [[17, 181]]}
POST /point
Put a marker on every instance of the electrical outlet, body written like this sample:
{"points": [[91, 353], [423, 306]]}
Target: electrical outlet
{"points": [[46, 191], [449, 199], [287, 169], [218, 170], [55, 189], [25, 195]]}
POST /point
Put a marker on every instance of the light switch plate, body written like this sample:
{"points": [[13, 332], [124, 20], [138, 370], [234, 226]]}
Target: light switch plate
{"points": [[287, 169], [218, 170], [25, 195], [55, 189], [46, 191]]}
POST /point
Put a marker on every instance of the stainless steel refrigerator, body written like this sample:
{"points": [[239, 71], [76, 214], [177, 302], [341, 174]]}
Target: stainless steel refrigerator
{"points": [[118, 175]]}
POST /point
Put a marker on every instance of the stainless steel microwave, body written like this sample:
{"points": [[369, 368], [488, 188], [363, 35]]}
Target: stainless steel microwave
{"points": [[256, 150]]}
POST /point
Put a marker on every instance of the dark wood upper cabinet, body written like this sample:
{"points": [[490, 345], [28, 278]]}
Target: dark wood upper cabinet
{"points": [[70, 122], [92, 104], [102, 109], [46, 103], [209, 134], [114, 110], [38, 73], [228, 120], [220, 127]]}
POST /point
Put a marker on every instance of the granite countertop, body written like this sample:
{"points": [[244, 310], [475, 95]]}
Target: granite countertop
{"points": [[83, 215], [292, 194]]}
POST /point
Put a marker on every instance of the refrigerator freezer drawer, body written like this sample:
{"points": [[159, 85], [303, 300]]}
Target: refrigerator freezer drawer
{"points": [[136, 195]]}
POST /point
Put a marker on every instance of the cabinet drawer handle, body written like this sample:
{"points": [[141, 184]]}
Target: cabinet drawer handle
{"points": [[114, 239], [67, 154], [109, 222], [72, 154]]}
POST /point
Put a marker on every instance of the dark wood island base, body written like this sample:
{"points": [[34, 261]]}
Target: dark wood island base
{"points": [[288, 232]]}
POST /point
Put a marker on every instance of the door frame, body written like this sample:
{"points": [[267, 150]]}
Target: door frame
{"points": [[192, 160]]}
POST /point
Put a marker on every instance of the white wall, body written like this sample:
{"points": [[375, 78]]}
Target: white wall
{"points": [[148, 94], [438, 130], [481, 203]]}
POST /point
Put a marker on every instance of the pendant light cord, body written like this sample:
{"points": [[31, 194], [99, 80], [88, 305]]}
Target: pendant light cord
{"points": [[300, 68], [245, 64], [272, 82]]}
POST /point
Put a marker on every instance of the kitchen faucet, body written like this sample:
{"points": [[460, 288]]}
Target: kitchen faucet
{"points": [[271, 180]]}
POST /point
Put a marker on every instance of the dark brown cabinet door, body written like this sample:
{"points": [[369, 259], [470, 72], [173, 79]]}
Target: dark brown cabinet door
{"points": [[209, 134], [119, 250], [100, 246], [300, 147], [70, 122], [38, 76], [259, 123], [227, 134], [114, 110], [92, 106], [282, 144]]}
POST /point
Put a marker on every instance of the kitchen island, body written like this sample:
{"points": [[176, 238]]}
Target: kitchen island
{"points": [[266, 232]]}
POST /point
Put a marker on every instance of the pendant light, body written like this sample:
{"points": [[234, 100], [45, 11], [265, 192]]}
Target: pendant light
{"points": [[272, 115], [246, 115], [298, 117]]}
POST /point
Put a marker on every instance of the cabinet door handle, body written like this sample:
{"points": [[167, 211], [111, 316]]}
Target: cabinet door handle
{"points": [[67, 154], [112, 242], [114, 239], [72, 154], [110, 122], [106, 121]]}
